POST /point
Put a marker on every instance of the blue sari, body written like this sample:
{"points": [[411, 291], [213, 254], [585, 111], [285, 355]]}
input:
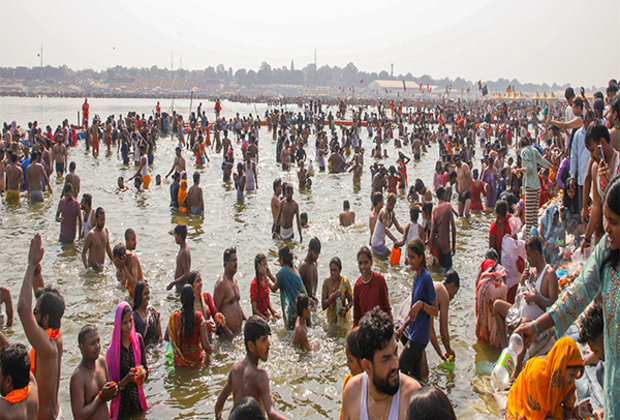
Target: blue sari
{"points": [[291, 286]]}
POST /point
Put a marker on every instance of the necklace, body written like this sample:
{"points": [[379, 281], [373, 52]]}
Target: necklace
{"points": [[372, 397]]}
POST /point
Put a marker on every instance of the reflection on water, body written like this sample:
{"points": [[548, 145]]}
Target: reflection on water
{"points": [[305, 386]]}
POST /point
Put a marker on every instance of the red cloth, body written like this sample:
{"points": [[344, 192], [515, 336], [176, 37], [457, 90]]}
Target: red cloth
{"points": [[445, 179], [210, 309], [495, 232], [367, 296], [476, 192], [260, 295]]}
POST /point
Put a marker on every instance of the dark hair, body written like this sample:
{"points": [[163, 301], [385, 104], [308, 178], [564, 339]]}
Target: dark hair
{"points": [[52, 304], [88, 199], [129, 232], [137, 294], [259, 258], [86, 329], [228, 253], [376, 329], [501, 208], [596, 132], [72, 166], [255, 328], [491, 254], [99, 212], [346, 204], [376, 199], [301, 303], [430, 403], [612, 200], [417, 245], [414, 213], [419, 185], [572, 204], [452, 277], [191, 277], [440, 192], [336, 261], [591, 324], [181, 230], [569, 93], [68, 188], [196, 177], [276, 183], [247, 408], [352, 343], [15, 362], [315, 245], [475, 173], [427, 208], [188, 314], [286, 254], [119, 250], [534, 243], [578, 102], [364, 251]]}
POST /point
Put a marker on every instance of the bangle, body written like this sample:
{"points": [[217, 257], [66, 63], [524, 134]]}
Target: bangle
{"points": [[536, 328], [100, 397], [587, 240]]}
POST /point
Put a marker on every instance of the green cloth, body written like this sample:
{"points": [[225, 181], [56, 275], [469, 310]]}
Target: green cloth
{"points": [[530, 158]]}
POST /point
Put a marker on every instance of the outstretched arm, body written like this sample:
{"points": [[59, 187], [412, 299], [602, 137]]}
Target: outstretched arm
{"points": [[221, 399], [5, 297]]}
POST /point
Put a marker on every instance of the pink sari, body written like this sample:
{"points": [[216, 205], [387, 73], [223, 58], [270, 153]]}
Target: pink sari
{"points": [[113, 359], [491, 286]]}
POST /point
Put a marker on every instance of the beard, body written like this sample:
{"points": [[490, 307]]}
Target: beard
{"points": [[383, 384]]}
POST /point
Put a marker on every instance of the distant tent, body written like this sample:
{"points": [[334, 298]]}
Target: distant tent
{"points": [[536, 96], [544, 95], [552, 96]]}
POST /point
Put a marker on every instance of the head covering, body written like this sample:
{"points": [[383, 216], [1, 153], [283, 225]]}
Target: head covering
{"points": [[113, 358], [539, 390], [182, 196]]}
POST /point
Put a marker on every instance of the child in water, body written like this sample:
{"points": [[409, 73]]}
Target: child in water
{"points": [[300, 336]]}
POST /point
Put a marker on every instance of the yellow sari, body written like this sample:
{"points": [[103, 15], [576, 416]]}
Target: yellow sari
{"points": [[539, 392]]}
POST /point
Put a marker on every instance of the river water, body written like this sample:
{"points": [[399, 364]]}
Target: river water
{"points": [[305, 386]]}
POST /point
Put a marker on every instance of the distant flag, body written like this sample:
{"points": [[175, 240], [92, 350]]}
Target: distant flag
{"points": [[420, 87], [428, 87], [479, 84], [485, 91], [508, 89], [404, 85], [467, 90], [461, 92], [362, 81]]}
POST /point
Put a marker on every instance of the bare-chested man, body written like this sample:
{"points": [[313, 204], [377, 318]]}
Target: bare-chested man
{"points": [[416, 145], [226, 294], [97, 242], [275, 206], [379, 181], [288, 210], [307, 268], [184, 259], [74, 179], [14, 179], [179, 163], [15, 377], [42, 327], [356, 168], [90, 385], [347, 217], [245, 378], [59, 154], [129, 270], [463, 186], [195, 198], [35, 175], [94, 136]]}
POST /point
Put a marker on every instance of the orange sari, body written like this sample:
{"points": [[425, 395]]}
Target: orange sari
{"points": [[539, 392], [183, 196]]}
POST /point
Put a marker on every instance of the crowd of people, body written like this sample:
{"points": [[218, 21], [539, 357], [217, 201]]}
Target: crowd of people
{"points": [[548, 171]]}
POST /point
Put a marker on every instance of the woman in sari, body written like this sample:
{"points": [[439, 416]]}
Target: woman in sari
{"points": [[337, 288], [490, 286], [187, 332], [545, 387], [600, 274], [204, 303], [126, 360], [289, 282], [145, 317], [183, 195]]}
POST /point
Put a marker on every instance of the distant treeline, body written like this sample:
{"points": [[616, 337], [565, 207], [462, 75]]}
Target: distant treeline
{"points": [[309, 76]]}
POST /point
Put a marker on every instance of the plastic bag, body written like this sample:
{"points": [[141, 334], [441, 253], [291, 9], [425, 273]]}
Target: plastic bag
{"points": [[512, 249]]}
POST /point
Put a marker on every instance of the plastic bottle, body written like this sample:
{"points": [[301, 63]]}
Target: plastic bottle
{"points": [[338, 305], [507, 362]]}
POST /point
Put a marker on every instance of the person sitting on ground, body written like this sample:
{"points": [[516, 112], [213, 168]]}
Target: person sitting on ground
{"points": [[347, 217], [245, 378], [187, 333], [430, 403], [146, 319], [551, 231], [90, 385], [591, 328], [570, 213], [300, 334], [546, 386], [20, 399]]}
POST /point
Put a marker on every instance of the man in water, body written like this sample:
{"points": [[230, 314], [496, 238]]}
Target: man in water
{"points": [[73, 179], [377, 202], [275, 206], [381, 392], [129, 270], [245, 378], [308, 270], [14, 179], [178, 165], [386, 218], [59, 153], [35, 175], [42, 327], [184, 259], [463, 186], [195, 199], [90, 385], [347, 217], [143, 169], [97, 243], [227, 296], [442, 222], [18, 387], [288, 210], [69, 216]]}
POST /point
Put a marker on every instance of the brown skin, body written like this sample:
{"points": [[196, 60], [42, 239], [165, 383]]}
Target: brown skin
{"points": [[383, 365], [444, 293], [227, 296], [308, 273], [247, 380], [329, 297], [5, 297], [75, 181], [23, 410], [463, 185], [98, 243], [59, 153], [14, 177], [129, 271], [373, 219], [34, 173], [300, 335], [48, 352], [265, 276], [88, 379], [288, 210], [195, 197], [347, 218], [184, 263]]}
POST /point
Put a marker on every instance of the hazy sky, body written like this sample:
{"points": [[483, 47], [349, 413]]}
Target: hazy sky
{"points": [[565, 41]]}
